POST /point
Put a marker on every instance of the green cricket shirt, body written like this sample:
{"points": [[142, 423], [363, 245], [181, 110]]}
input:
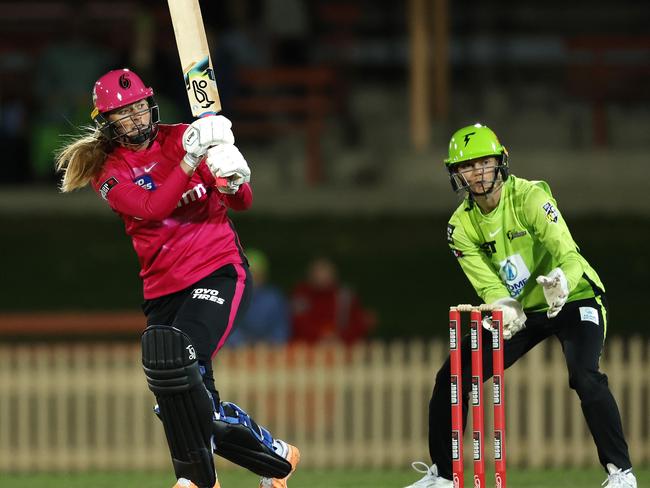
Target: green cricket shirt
{"points": [[525, 236]]}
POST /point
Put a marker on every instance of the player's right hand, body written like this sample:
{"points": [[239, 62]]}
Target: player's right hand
{"points": [[514, 318], [225, 161], [203, 134]]}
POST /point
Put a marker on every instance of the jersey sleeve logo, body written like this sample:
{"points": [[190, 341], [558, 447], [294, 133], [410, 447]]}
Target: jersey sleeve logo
{"points": [[106, 187], [551, 214], [450, 233]]}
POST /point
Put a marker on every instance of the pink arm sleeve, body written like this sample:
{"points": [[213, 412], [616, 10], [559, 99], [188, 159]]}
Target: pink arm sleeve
{"points": [[130, 199], [242, 200]]}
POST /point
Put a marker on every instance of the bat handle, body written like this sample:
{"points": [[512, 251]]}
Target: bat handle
{"points": [[221, 181]]}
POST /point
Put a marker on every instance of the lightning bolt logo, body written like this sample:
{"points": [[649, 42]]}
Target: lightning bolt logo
{"points": [[466, 139]]}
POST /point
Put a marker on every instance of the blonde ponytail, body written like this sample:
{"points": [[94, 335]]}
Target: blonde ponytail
{"points": [[82, 159]]}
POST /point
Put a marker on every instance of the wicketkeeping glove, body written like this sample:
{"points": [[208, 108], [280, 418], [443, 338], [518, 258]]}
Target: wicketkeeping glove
{"points": [[556, 291], [225, 161], [514, 318], [204, 133]]}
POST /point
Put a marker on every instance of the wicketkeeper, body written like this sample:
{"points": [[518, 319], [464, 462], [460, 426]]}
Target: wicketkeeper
{"points": [[515, 248]]}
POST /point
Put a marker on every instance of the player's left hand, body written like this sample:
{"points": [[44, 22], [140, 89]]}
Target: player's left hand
{"points": [[556, 291], [225, 161]]}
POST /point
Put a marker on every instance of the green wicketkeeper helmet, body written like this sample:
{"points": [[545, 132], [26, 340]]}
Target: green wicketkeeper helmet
{"points": [[471, 142]]}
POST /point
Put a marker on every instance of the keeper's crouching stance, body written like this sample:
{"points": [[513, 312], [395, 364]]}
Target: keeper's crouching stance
{"points": [[515, 247], [196, 424]]}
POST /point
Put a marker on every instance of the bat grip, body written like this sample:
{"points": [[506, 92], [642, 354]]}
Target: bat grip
{"points": [[221, 181]]}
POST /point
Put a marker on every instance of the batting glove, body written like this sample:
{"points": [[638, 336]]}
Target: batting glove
{"points": [[514, 318], [204, 133], [225, 161], [556, 291]]}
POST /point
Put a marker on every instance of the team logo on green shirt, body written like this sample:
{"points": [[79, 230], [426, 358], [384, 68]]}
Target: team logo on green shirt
{"points": [[551, 213]]}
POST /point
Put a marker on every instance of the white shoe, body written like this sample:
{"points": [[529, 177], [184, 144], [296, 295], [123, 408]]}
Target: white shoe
{"points": [[618, 478], [431, 478], [185, 483]]}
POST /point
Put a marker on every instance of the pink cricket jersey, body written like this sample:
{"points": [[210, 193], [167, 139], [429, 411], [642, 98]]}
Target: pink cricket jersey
{"points": [[178, 224]]}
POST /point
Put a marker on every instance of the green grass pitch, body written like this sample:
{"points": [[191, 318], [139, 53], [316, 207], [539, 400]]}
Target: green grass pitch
{"points": [[379, 478]]}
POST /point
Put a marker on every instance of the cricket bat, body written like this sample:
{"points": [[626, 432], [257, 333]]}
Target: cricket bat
{"points": [[193, 51], [192, 44]]}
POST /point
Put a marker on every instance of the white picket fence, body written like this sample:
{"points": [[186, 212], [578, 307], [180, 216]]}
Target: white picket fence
{"points": [[87, 407]]}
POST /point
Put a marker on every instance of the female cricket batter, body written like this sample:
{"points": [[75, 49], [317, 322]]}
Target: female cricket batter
{"points": [[196, 280], [516, 250]]}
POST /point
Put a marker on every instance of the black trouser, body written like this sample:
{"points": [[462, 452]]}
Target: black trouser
{"points": [[208, 311], [582, 343]]}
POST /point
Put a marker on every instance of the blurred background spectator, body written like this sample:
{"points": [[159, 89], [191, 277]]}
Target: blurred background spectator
{"points": [[267, 319], [323, 309]]}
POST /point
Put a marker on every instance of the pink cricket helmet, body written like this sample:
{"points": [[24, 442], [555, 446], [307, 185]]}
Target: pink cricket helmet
{"points": [[116, 89]]}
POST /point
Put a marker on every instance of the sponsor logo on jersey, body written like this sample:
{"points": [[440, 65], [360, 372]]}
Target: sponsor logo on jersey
{"points": [[194, 195], [589, 314], [510, 271], [450, 233], [551, 214], [105, 187], [514, 234], [457, 252], [145, 181], [489, 247], [207, 294], [514, 273]]}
